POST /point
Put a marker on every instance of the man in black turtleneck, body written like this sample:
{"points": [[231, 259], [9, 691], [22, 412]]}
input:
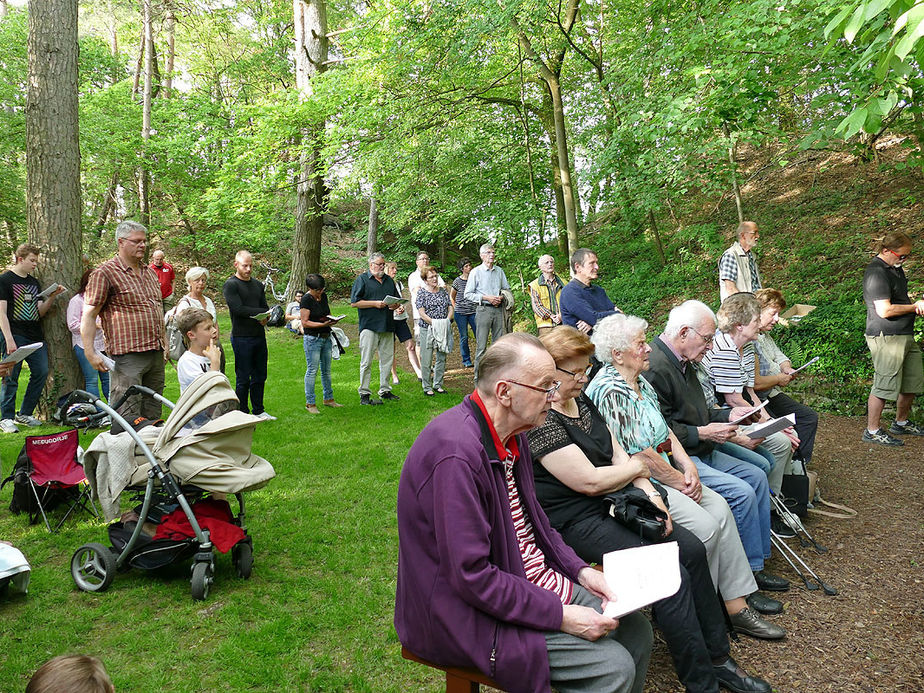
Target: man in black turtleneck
{"points": [[246, 297]]}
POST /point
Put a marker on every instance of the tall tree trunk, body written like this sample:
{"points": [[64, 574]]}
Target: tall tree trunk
{"points": [[564, 165], [2, 9], [108, 203], [372, 234], [733, 162], [53, 173], [548, 124], [113, 34], [311, 52], [144, 177], [549, 72], [139, 64], [169, 27]]}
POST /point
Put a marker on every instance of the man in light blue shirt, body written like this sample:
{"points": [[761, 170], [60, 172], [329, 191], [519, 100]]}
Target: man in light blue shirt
{"points": [[484, 287]]}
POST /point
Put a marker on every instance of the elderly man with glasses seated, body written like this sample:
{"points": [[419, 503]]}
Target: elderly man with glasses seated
{"points": [[483, 579]]}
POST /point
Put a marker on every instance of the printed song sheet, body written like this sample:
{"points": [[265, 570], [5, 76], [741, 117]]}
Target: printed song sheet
{"points": [[641, 576]]}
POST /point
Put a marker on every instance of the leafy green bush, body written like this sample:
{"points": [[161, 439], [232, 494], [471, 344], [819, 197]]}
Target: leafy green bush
{"points": [[839, 381]]}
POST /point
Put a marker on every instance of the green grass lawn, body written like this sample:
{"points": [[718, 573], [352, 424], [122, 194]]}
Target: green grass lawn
{"points": [[317, 612]]}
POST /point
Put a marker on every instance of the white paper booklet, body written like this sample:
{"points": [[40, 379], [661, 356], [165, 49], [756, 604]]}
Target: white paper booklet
{"points": [[770, 427], [22, 353], [394, 301], [47, 292], [750, 412], [805, 365], [261, 316], [641, 576]]}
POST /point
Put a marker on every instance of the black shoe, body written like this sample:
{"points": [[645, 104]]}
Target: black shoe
{"points": [[367, 399], [763, 604], [734, 678], [780, 528], [908, 429], [389, 395], [881, 437], [770, 583], [749, 623]]}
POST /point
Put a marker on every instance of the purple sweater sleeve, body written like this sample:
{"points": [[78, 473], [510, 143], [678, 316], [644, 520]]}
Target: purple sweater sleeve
{"points": [[463, 538]]}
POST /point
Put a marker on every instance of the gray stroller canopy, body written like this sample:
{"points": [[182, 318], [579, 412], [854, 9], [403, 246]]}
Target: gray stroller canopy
{"points": [[206, 441]]}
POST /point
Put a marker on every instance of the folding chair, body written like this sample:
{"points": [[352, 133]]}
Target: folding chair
{"points": [[57, 472]]}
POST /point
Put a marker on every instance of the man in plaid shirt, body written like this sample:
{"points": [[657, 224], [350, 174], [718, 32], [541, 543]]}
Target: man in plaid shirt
{"points": [[738, 266], [125, 294]]}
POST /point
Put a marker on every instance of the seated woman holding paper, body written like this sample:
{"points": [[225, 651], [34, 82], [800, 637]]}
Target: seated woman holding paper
{"points": [[774, 370], [577, 464], [729, 367]]}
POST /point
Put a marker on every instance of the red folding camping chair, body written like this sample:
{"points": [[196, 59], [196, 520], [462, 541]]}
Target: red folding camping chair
{"points": [[56, 471]]}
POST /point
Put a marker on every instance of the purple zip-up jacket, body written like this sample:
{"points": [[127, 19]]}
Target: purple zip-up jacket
{"points": [[463, 598]]}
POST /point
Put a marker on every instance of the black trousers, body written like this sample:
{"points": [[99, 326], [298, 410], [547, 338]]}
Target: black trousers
{"points": [[250, 356], [692, 620], [806, 422]]}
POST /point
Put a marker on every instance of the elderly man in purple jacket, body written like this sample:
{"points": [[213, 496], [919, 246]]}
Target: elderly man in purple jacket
{"points": [[483, 580]]}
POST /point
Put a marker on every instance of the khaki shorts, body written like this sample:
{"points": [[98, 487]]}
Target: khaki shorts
{"points": [[898, 365]]}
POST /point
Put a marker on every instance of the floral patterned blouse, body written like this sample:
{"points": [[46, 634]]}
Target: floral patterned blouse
{"points": [[636, 422], [435, 303]]}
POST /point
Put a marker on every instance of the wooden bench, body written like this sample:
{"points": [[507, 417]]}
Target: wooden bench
{"points": [[458, 679]]}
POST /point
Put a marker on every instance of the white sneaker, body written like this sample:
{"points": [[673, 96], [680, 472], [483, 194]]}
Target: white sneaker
{"points": [[266, 416], [28, 420], [8, 426]]}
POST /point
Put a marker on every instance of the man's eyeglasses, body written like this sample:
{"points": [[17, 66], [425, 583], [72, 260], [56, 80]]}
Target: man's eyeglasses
{"points": [[704, 337], [901, 258], [578, 374], [134, 241], [549, 391]]}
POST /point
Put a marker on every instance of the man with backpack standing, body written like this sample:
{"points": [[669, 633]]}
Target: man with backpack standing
{"points": [[21, 309], [246, 298]]}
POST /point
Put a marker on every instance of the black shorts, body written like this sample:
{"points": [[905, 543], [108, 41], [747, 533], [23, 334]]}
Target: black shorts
{"points": [[402, 331]]}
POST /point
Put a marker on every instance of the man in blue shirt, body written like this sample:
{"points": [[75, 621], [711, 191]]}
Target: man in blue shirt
{"points": [[583, 304], [484, 287], [376, 327]]}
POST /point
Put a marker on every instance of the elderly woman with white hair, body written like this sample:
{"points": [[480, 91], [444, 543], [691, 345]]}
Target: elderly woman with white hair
{"points": [[196, 280], [630, 407]]}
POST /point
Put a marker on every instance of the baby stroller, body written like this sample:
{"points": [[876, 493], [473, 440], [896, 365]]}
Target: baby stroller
{"points": [[203, 448]]}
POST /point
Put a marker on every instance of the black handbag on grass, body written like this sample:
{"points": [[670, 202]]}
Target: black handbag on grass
{"points": [[631, 507]]}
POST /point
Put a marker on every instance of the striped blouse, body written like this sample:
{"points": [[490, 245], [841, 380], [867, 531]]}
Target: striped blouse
{"points": [[729, 371]]}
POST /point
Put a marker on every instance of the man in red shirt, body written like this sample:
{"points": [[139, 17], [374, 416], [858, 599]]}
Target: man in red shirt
{"points": [[165, 275]]}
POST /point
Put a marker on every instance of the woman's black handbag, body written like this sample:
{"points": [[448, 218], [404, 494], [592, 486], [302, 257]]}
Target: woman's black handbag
{"points": [[631, 507]]}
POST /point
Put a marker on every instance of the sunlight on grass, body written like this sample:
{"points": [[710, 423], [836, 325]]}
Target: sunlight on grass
{"points": [[317, 612]]}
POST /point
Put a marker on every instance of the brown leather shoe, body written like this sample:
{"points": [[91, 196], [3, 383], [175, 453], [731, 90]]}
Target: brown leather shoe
{"points": [[749, 623], [312, 408], [331, 403]]}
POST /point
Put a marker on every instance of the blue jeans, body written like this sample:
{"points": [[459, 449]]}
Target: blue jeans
{"points": [[463, 322], [91, 377], [317, 352], [38, 374], [759, 457], [250, 356], [747, 492]]}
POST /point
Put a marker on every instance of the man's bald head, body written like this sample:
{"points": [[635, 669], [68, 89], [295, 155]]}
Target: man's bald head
{"points": [[509, 357], [243, 264]]}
